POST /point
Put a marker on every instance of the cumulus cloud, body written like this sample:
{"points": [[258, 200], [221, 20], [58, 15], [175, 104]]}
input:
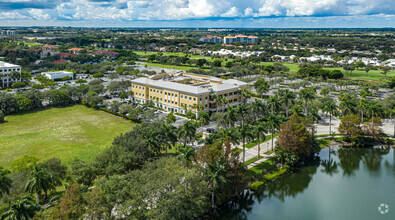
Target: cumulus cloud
{"points": [[232, 12], [39, 14]]}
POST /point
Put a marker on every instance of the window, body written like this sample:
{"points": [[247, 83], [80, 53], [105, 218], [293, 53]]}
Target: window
{"points": [[150, 96], [194, 99], [160, 92], [190, 98], [182, 96], [176, 95], [154, 90], [172, 94], [150, 90], [200, 99], [186, 97], [206, 97], [139, 87], [160, 99], [132, 86], [165, 93], [205, 106], [190, 106], [172, 102]]}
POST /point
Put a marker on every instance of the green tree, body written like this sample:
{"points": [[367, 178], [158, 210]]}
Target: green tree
{"points": [[246, 133], [187, 132], [261, 86], [168, 135], [5, 182], [216, 175], [363, 106], [350, 126], [287, 98], [204, 118], [385, 70], [152, 141], [260, 130], [307, 95], [273, 122], [330, 108], [40, 180], [187, 154], [1, 117], [22, 209], [170, 118]]}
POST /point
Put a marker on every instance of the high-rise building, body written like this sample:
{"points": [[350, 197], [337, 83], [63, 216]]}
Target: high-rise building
{"points": [[211, 38]]}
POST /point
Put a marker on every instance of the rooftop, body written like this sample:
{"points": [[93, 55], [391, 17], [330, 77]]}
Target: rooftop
{"points": [[57, 72], [5, 64], [190, 83]]}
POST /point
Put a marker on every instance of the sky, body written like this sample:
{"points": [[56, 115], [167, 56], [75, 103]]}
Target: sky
{"points": [[200, 13]]}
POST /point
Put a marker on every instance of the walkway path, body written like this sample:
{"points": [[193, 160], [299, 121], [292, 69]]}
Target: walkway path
{"points": [[263, 159], [253, 151]]}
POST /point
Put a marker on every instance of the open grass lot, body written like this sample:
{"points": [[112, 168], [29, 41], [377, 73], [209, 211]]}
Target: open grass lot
{"points": [[67, 133]]}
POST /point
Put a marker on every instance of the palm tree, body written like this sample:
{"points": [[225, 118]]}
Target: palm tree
{"points": [[260, 130], [152, 141], [40, 180], [245, 133], [331, 108], [211, 139], [363, 105], [287, 98], [168, 134], [230, 133], [246, 94], [231, 116], [307, 95], [242, 111], [23, 209], [187, 153], [216, 174], [313, 115], [273, 122], [187, 132], [273, 103], [204, 118], [5, 182], [257, 108]]}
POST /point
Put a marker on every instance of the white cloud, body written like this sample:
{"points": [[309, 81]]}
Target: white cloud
{"points": [[11, 16], [232, 12], [38, 14], [249, 12], [299, 7]]}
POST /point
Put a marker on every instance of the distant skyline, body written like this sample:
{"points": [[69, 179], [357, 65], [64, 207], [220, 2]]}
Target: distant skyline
{"points": [[200, 13]]}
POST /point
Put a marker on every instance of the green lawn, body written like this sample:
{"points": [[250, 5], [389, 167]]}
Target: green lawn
{"points": [[67, 133], [254, 143], [169, 66]]}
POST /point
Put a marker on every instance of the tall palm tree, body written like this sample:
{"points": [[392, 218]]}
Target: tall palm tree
{"points": [[273, 122], [5, 182], [211, 139], [231, 116], [230, 133], [245, 94], [152, 141], [348, 103], [187, 153], [216, 174], [257, 109], [40, 180], [313, 115], [287, 98], [363, 105], [330, 107], [23, 209], [307, 95], [260, 130], [242, 112], [245, 134], [204, 118], [273, 103], [168, 134], [187, 132]]}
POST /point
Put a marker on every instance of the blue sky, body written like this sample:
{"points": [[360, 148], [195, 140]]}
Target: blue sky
{"points": [[199, 13]]}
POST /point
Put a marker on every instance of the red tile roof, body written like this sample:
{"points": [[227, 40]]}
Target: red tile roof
{"points": [[61, 61]]}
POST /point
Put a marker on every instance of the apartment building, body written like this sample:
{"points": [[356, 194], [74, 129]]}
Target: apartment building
{"points": [[240, 38], [211, 38], [181, 92], [6, 79]]}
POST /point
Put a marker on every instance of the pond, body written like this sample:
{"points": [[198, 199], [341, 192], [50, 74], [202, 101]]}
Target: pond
{"points": [[344, 183]]}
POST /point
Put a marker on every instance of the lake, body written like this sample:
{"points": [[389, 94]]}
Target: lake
{"points": [[343, 183]]}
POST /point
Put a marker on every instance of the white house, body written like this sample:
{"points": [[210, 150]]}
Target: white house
{"points": [[6, 80], [58, 74]]}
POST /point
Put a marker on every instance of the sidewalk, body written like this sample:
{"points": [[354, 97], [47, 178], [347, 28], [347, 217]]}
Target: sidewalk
{"points": [[263, 159], [253, 151]]}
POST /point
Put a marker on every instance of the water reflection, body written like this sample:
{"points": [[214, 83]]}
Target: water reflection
{"points": [[334, 164]]}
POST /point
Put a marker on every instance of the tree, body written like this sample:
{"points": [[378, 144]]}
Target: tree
{"points": [[367, 69], [151, 141], [287, 98], [295, 139], [273, 121], [385, 70], [260, 130], [330, 107], [348, 103], [246, 133], [187, 132], [261, 86], [257, 109], [245, 94], [22, 209], [123, 96], [1, 117], [216, 175], [201, 62], [40, 180], [92, 99], [372, 128], [5, 182], [307, 95], [187, 154], [71, 204], [273, 103], [350, 126], [170, 118], [363, 105], [55, 168], [168, 135]]}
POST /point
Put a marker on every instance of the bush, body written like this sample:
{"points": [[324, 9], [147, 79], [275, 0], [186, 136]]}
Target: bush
{"points": [[38, 86], [98, 75], [256, 185], [18, 85], [80, 81]]}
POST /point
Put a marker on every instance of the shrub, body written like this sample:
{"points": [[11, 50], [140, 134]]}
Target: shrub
{"points": [[1, 117], [18, 85], [256, 185], [98, 75]]}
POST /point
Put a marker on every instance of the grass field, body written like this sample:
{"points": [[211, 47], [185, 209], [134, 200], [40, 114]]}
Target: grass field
{"points": [[69, 133]]}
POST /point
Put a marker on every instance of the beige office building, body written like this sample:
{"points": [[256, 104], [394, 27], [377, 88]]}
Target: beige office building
{"points": [[187, 91]]}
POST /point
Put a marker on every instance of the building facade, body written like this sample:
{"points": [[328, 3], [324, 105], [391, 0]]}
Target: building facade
{"points": [[6, 76], [58, 74], [240, 38], [211, 38], [185, 91]]}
